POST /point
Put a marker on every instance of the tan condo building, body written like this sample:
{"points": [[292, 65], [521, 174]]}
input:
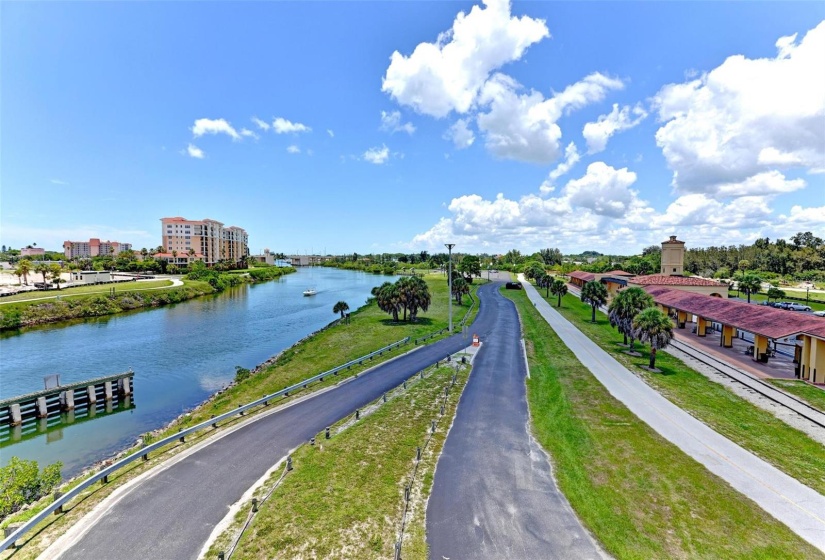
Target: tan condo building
{"points": [[94, 248], [207, 240]]}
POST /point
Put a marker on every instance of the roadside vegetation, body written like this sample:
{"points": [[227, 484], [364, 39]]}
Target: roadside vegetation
{"points": [[814, 396], [755, 429], [345, 497], [368, 329], [201, 281], [637, 493], [22, 482]]}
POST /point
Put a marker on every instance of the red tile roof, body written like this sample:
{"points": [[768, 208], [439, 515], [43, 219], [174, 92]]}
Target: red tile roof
{"points": [[619, 272], [758, 319], [582, 275], [664, 280]]}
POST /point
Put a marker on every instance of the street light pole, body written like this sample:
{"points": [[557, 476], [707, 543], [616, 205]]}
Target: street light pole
{"points": [[450, 280]]}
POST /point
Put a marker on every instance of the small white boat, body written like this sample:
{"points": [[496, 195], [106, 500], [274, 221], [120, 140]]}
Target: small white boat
{"points": [[310, 292]]}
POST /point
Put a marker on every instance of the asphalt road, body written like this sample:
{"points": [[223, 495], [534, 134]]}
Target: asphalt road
{"points": [[493, 494], [791, 502], [171, 515]]}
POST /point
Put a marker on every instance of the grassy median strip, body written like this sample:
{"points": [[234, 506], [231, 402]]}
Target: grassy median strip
{"points": [[755, 429], [814, 396], [639, 494], [126, 286], [346, 495], [368, 330]]}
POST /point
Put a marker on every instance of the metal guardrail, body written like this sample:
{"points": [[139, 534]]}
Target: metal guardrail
{"points": [[104, 474]]}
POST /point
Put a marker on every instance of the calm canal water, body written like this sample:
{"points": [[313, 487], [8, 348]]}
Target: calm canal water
{"points": [[180, 354]]}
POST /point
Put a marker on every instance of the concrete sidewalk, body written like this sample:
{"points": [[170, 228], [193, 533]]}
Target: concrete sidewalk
{"points": [[799, 507]]}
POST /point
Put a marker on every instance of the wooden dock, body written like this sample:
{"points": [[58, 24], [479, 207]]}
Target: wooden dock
{"points": [[63, 398]]}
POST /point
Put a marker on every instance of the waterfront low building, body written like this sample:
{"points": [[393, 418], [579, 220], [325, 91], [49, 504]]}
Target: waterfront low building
{"points": [[90, 276]]}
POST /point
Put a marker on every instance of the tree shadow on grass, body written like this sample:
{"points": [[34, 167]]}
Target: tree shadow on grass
{"points": [[388, 322]]}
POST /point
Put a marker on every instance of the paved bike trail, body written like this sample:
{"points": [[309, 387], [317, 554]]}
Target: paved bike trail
{"points": [[788, 500], [494, 495], [172, 514]]}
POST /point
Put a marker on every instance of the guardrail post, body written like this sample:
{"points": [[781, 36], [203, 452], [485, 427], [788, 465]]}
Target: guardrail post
{"points": [[357, 414], [7, 532], [105, 479], [288, 463], [239, 406], [446, 390], [312, 440], [254, 505], [407, 493], [454, 375], [433, 427], [221, 556], [398, 550], [57, 495], [385, 397], [442, 410], [421, 374], [214, 424], [418, 453], [326, 432], [405, 384]]}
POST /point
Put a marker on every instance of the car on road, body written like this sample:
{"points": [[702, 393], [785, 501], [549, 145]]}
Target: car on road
{"points": [[820, 313], [798, 307], [513, 285]]}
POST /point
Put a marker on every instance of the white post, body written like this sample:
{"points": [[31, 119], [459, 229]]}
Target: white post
{"points": [[450, 281]]}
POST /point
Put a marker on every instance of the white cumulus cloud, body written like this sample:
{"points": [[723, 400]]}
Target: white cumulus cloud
{"points": [[523, 126], [460, 134], [377, 155], [249, 134], [283, 126], [446, 75], [263, 125], [391, 122], [599, 132], [571, 158], [747, 117], [293, 149], [214, 126], [194, 151]]}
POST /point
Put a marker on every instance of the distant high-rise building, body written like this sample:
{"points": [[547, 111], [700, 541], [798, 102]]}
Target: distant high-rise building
{"points": [[205, 240], [94, 248]]}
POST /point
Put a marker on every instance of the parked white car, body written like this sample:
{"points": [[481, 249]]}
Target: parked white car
{"points": [[819, 313], [798, 307]]}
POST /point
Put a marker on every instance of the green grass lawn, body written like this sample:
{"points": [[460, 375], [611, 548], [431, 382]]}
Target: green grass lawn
{"points": [[369, 329], [815, 306], [86, 290], [640, 495], [755, 429], [814, 396], [345, 497]]}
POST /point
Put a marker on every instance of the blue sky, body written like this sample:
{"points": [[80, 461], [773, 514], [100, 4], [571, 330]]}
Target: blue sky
{"points": [[583, 125]]}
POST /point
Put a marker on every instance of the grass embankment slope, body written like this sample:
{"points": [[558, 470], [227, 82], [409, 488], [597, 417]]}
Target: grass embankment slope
{"points": [[639, 494], [86, 290], [88, 302], [369, 329], [345, 497], [755, 429], [814, 396]]}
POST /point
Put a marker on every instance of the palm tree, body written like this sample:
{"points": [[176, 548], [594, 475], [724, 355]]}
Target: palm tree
{"points": [[651, 325], [624, 307], [545, 281], [340, 307], [55, 270], [420, 297], [386, 296], [595, 294], [558, 288], [24, 267], [750, 284], [42, 268], [460, 287]]}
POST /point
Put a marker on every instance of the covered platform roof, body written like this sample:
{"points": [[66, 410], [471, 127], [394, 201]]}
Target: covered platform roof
{"points": [[757, 319]]}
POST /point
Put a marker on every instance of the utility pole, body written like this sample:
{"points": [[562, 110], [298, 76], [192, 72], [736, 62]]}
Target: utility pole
{"points": [[450, 280]]}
